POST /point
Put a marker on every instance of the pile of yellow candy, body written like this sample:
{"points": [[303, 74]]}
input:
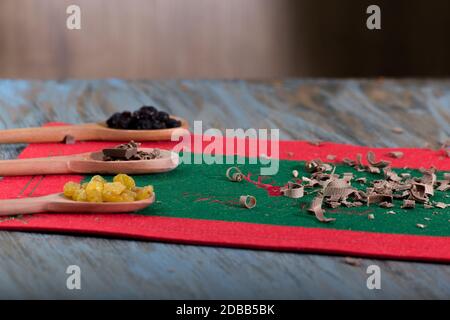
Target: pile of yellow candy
{"points": [[122, 189]]}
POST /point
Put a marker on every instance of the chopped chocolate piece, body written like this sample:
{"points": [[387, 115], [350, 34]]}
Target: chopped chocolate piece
{"points": [[397, 130], [129, 152], [316, 143], [371, 216], [395, 154], [68, 139], [421, 226], [391, 212], [119, 153], [352, 261]]}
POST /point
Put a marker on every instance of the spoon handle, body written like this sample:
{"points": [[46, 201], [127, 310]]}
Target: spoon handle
{"points": [[43, 134], [36, 166], [10, 207]]}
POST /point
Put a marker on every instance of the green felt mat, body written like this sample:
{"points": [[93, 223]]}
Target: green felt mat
{"points": [[203, 192]]}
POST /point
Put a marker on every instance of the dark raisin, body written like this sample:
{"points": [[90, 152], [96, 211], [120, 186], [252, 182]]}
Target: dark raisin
{"points": [[173, 123], [162, 116], [159, 125], [148, 110], [113, 121]]}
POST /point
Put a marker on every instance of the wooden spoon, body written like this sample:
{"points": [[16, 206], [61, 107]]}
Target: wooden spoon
{"points": [[58, 203], [88, 163], [88, 131]]}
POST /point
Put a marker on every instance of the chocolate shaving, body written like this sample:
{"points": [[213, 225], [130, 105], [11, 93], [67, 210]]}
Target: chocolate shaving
{"points": [[234, 174], [440, 205], [316, 208], [317, 166], [418, 192], [378, 198], [396, 154], [374, 163], [444, 185], [293, 190], [247, 201], [408, 204]]}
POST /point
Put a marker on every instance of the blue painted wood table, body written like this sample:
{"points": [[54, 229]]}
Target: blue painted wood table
{"points": [[367, 112]]}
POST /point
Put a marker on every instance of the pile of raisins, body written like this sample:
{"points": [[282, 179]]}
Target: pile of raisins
{"points": [[146, 118]]}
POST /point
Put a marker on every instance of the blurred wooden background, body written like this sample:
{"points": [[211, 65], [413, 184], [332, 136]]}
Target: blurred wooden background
{"points": [[223, 39]]}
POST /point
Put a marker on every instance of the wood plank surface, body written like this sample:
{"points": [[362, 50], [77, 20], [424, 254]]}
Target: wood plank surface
{"points": [[350, 111]]}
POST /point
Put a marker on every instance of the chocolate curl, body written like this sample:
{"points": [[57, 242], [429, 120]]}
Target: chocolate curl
{"points": [[236, 176], [247, 201], [316, 208], [293, 190], [377, 198], [418, 192]]}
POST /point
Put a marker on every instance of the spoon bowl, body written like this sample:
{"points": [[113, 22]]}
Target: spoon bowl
{"points": [[88, 163], [59, 203], [89, 131]]}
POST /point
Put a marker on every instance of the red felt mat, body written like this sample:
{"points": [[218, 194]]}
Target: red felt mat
{"points": [[222, 233]]}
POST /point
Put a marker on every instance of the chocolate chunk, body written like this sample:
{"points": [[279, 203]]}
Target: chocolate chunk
{"points": [[69, 139], [119, 153], [128, 152]]}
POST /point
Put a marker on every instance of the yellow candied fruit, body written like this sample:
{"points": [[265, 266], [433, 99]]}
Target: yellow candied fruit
{"points": [[70, 188], [94, 191], [123, 189], [99, 179], [126, 180], [128, 196], [79, 195], [112, 190], [144, 193]]}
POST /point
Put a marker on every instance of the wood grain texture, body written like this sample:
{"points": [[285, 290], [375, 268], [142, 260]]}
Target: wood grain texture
{"points": [[361, 112]]}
